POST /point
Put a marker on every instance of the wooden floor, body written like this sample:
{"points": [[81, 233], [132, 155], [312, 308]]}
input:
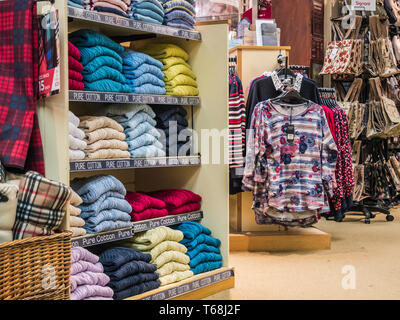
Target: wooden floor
{"points": [[296, 239]]}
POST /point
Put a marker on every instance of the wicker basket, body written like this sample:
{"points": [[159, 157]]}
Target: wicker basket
{"points": [[36, 268]]}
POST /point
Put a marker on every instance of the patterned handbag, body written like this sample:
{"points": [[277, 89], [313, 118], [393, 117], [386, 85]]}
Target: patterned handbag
{"points": [[344, 56]]}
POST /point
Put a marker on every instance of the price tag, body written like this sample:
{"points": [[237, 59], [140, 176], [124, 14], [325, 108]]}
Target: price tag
{"points": [[290, 133], [367, 5], [333, 53]]}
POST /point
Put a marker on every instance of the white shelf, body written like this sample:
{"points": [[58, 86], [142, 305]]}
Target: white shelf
{"points": [[125, 26]]}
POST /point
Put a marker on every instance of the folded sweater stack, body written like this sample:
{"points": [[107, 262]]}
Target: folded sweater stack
{"points": [[175, 135], [76, 3], [75, 68], [143, 73], [139, 127], [130, 272], [180, 13], [77, 143], [76, 222], [101, 60], [119, 8], [104, 207], [145, 207], [203, 249], [179, 77], [166, 252], [178, 201], [104, 137], [147, 11], [88, 280]]}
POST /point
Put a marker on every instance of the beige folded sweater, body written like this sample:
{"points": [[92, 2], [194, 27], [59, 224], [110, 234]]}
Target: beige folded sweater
{"points": [[175, 277], [77, 232], [92, 123], [74, 211], [76, 200], [107, 144], [76, 221], [147, 240], [171, 267], [108, 154], [104, 134], [166, 246]]}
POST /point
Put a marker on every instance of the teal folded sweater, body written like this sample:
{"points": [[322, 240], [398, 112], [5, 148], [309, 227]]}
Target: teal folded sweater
{"points": [[105, 73], [98, 53], [107, 85], [90, 38]]}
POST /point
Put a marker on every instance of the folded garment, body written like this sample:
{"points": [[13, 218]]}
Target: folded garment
{"points": [[8, 209], [148, 88], [88, 278], [91, 123], [166, 246], [134, 73], [137, 119], [168, 256], [140, 202], [176, 70], [142, 128], [181, 5], [175, 198], [87, 291], [107, 85], [105, 73], [124, 112], [172, 121], [131, 268], [98, 298], [148, 13], [108, 154], [180, 80], [145, 139], [181, 24], [137, 289], [74, 4], [202, 248], [147, 214], [112, 259], [107, 144], [90, 38], [163, 113], [74, 64], [107, 215], [99, 62], [182, 91], [83, 266], [82, 254], [98, 53], [153, 5], [141, 17], [74, 75], [188, 207], [136, 59], [77, 232], [75, 131], [76, 155], [164, 50], [76, 144], [175, 277], [110, 9], [107, 226], [207, 266], [204, 257], [177, 13], [104, 134], [147, 240], [202, 238], [73, 119], [144, 79], [171, 267], [107, 201], [132, 280], [151, 151], [76, 221], [90, 189], [192, 229], [75, 85], [76, 200], [115, 3]]}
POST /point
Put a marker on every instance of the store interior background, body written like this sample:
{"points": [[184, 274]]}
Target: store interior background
{"points": [[298, 268]]}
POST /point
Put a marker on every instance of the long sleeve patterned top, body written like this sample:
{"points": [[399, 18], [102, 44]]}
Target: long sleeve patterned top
{"points": [[290, 176]]}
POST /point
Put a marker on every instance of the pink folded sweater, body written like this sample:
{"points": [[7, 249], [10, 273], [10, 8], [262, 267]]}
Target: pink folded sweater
{"points": [[175, 198], [74, 64], [76, 85], [140, 202], [75, 75], [189, 207], [150, 213], [73, 51]]}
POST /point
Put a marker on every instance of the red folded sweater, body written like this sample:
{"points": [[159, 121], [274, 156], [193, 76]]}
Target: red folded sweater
{"points": [[140, 202], [188, 207], [151, 213], [175, 198], [76, 85], [74, 64], [73, 51], [74, 75]]}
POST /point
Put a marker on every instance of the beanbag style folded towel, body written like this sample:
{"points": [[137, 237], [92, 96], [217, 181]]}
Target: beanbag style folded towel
{"points": [[41, 206]]}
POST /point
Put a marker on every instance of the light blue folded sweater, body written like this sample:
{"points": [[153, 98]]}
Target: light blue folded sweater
{"points": [[147, 152], [136, 59], [144, 127], [140, 12], [153, 6], [145, 79], [156, 3], [105, 73], [123, 113], [145, 139], [107, 215], [133, 73], [92, 188], [90, 38], [91, 53], [107, 226], [149, 88], [108, 200], [137, 119]]}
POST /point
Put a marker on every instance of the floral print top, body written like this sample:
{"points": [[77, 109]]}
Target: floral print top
{"points": [[290, 176]]}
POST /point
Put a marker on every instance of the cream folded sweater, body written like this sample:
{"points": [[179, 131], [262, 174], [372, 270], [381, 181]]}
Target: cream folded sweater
{"points": [[76, 222], [171, 267], [108, 154], [91, 123], [74, 211], [107, 144], [104, 134], [166, 246], [77, 232], [175, 277], [169, 256]]}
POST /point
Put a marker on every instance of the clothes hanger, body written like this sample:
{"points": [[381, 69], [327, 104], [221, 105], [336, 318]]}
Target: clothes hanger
{"points": [[290, 97]]}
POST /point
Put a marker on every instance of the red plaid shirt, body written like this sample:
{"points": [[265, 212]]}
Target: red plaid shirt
{"points": [[20, 140]]}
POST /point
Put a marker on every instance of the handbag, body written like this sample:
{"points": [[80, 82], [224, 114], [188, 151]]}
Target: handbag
{"points": [[344, 56]]}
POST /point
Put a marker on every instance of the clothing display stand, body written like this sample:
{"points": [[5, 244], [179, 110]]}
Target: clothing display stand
{"points": [[209, 61], [245, 234]]}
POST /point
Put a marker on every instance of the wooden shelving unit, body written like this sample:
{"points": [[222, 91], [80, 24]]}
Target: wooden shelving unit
{"points": [[208, 51]]}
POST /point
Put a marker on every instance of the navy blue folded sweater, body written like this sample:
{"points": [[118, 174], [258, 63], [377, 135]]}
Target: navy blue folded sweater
{"points": [[112, 259], [131, 281], [136, 289], [131, 268]]}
